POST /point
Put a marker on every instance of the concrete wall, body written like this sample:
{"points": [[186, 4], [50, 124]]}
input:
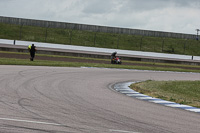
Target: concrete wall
{"points": [[94, 28]]}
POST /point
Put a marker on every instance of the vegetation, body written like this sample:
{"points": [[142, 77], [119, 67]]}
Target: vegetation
{"points": [[12, 61], [98, 39], [131, 64], [183, 92]]}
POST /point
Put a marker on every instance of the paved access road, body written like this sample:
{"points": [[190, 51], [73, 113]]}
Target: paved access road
{"points": [[79, 100]]}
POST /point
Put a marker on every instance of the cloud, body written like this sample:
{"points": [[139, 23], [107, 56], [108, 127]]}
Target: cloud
{"points": [[162, 15], [97, 7]]}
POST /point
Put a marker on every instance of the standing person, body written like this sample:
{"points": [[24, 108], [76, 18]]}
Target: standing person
{"points": [[32, 52]]}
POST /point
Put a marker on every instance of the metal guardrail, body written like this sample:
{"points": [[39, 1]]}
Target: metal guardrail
{"points": [[70, 50]]}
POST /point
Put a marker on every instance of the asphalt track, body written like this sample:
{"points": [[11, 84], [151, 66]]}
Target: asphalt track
{"points": [[80, 100]]}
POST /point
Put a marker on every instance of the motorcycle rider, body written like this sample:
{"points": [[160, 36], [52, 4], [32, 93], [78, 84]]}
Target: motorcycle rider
{"points": [[113, 56]]}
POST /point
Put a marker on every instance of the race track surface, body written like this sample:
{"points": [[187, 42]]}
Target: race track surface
{"points": [[80, 100]]}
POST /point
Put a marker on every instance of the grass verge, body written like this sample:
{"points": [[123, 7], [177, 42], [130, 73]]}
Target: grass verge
{"points": [[13, 61], [183, 92], [100, 39], [129, 64]]}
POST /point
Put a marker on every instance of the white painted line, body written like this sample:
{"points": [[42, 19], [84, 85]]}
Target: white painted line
{"points": [[27, 121], [122, 131], [161, 101], [147, 98], [129, 92], [136, 95], [122, 89], [194, 110], [177, 105]]}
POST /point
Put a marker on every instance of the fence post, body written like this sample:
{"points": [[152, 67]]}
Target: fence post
{"points": [[14, 42], [185, 45], [163, 42], [20, 31], [70, 37], [141, 43], [95, 34], [118, 41], [46, 33]]}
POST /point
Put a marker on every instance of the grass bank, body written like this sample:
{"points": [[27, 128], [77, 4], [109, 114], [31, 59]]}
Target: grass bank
{"points": [[12, 61], [183, 92], [99, 39], [12, 58]]}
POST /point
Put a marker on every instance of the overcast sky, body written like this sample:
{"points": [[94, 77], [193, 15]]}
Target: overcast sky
{"points": [[182, 16]]}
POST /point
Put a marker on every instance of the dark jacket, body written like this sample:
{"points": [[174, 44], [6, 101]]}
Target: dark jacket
{"points": [[33, 49]]}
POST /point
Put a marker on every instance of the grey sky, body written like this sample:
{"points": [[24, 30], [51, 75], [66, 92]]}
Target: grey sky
{"points": [[182, 16]]}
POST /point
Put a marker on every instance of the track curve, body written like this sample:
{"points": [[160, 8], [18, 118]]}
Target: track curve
{"points": [[78, 100]]}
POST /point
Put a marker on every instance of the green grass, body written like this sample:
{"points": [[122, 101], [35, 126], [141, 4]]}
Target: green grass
{"points": [[103, 40], [183, 92], [11, 61], [6, 61], [140, 65], [47, 55]]}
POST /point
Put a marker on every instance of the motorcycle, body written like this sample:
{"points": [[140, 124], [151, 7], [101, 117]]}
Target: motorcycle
{"points": [[116, 60]]}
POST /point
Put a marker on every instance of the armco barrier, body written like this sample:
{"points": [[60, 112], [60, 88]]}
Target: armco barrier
{"points": [[94, 28], [52, 51]]}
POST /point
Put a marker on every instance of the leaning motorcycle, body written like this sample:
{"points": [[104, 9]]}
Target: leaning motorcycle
{"points": [[116, 60]]}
